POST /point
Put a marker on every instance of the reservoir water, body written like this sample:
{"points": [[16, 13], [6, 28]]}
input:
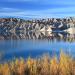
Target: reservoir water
{"points": [[34, 45]]}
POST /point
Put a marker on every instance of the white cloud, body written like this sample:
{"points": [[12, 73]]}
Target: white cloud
{"points": [[56, 12], [9, 10]]}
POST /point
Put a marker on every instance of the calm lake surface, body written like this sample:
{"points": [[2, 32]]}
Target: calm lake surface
{"points": [[34, 46]]}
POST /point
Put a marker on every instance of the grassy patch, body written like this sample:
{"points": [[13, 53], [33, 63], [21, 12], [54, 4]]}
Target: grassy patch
{"points": [[40, 66]]}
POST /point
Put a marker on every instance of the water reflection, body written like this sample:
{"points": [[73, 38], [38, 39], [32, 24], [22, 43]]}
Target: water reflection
{"points": [[52, 36], [25, 44]]}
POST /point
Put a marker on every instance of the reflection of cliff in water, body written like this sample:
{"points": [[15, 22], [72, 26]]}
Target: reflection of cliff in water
{"points": [[58, 36]]}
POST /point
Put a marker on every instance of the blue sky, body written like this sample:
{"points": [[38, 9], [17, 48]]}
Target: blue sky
{"points": [[37, 8]]}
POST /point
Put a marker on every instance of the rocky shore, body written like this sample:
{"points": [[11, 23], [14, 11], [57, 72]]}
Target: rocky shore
{"points": [[22, 28], [15, 24]]}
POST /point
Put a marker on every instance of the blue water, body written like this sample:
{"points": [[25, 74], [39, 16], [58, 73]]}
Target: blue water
{"points": [[10, 49]]}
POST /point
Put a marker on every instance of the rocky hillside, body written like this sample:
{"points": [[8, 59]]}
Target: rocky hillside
{"points": [[34, 29], [15, 24]]}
